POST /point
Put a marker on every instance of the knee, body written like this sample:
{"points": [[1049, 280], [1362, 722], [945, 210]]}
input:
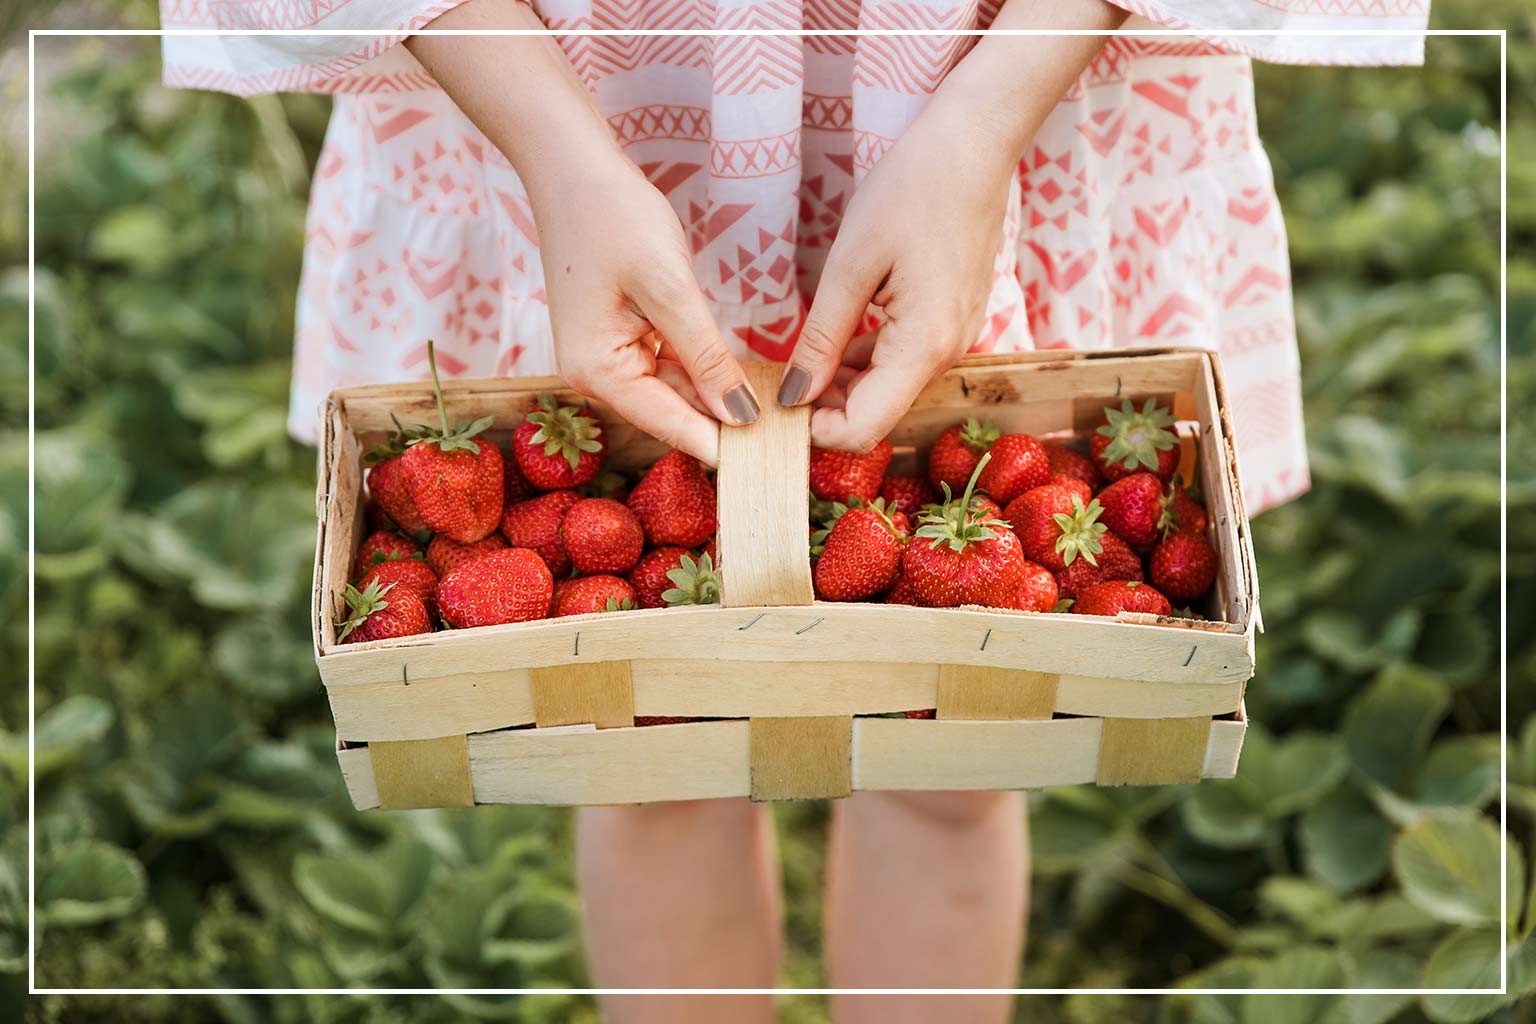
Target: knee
{"points": [[955, 810]]}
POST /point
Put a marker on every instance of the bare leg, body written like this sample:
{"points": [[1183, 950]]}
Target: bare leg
{"points": [[680, 895], [926, 890]]}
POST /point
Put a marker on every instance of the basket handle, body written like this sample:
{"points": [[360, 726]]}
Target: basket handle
{"points": [[764, 504]]}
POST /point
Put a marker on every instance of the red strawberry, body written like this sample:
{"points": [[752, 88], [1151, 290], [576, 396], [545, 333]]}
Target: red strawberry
{"points": [[663, 720], [1055, 527], [1133, 506], [675, 502], [712, 549], [411, 573], [1181, 511], [1071, 462], [957, 557], [955, 453], [1018, 463], [986, 507], [1073, 484], [607, 484], [388, 489], [1130, 441], [381, 546], [861, 556], [511, 585], [901, 593], [908, 494], [1033, 591], [1115, 596], [381, 612], [1184, 566], [1115, 561], [535, 524], [445, 555], [591, 594], [924, 713], [516, 488], [601, 536], [455, 481], [649, 576], [694, 581], [558, 446], [838, 476]]}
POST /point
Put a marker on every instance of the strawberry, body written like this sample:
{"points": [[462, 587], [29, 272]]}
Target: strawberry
{"points": [[838, 476], [1034, 591], [908, 494], [591, 594], [410, 573], [957, 557], [923, 713], [558, 446], [601, 536], [1071, 462], [712, 549], [1181, 511], [861, 556], [382, 546], [1018, 463], [693, 582], [455, 481], [675, 502], [649, 576], [379, 612], [1073, 484], [955, 453], [1133, 506], [1115, 596], [535, 524], [985, 507], [607, 484], [1054, 526], [445, 555], [516, 488], [1115, 561], [1130, 441], [663, 720], [1184, 566], [511, 585], [387, 486], [901, 593]]}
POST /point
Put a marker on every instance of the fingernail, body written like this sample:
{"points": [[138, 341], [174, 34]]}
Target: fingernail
{"points": [[792, 389], [741, 404]]}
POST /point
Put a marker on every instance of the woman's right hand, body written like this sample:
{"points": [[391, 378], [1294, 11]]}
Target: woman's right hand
{"points": [[631, 326], [630, 323]]}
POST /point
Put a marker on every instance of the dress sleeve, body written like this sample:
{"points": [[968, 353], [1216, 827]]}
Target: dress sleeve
{"points": [[1275, 18], [247, 65]]}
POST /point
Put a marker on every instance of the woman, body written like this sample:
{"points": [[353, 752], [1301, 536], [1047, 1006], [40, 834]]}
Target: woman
{"points": [[640, 212]]}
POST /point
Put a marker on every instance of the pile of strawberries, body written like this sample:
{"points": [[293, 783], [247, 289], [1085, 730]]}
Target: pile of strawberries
{"points": [[1004, 521], [464, 534]]}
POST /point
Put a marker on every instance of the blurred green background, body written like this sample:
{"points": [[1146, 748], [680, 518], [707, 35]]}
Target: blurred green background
{"points": [[192, 827]]}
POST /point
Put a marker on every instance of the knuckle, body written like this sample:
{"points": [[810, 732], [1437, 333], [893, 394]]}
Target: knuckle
{"points": [[816, 341], [712, 363]]}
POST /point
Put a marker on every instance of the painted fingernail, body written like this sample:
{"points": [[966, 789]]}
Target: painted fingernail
{"points": [[741, 404], [793, 387]]}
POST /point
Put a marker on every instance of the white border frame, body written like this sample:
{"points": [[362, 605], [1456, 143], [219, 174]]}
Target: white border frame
{"points": [[32, 989]]}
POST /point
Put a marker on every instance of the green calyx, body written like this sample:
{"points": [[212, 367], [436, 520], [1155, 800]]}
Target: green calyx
{"points": [[1137, 437], [957, 522], [565, 430], [394, 445], [360, 605], [1167, 521], [978, 435], [694, 582], [835, 510], [456, 437], [616, 605], [1080, 531]]}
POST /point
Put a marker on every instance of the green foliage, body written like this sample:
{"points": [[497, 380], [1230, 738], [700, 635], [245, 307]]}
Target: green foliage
{"points": [[192, 829]]}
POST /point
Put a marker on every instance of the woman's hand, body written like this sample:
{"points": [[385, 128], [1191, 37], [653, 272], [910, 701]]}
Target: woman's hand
{"points": [[923, 228], [631, 326]]}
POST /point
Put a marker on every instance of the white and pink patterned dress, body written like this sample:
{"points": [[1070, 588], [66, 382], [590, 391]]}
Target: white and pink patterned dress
{"points": [[1143, 213]]}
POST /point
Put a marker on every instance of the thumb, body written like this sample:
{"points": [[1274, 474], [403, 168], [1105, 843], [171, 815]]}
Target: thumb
{"points": [[679, 312], [847, 285]]}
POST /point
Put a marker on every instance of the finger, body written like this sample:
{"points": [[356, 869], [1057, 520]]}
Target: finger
{"points": [[677, 309], [672, 373], [902, 365], [860, 349], [652, 405], [847, 284]]}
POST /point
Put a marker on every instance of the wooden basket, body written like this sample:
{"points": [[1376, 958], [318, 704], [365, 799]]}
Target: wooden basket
{"points": [[1023, 700]]}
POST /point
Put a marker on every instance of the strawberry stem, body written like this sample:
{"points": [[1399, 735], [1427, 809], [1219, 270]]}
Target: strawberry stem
{"points": [[437, 387]]}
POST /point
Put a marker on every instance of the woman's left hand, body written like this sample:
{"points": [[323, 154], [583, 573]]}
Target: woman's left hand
{"points": [[921, 233]]}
